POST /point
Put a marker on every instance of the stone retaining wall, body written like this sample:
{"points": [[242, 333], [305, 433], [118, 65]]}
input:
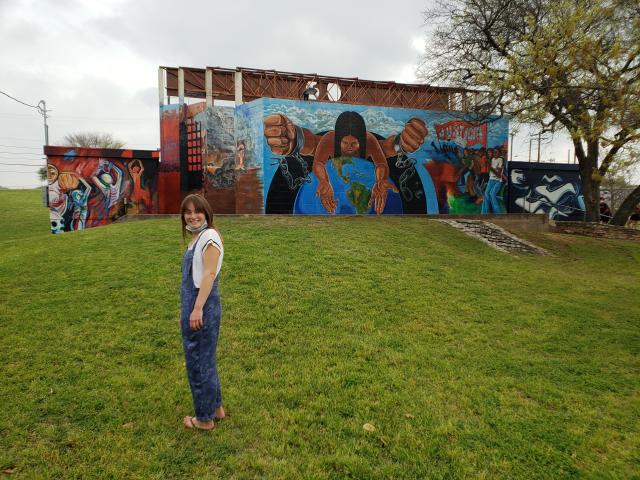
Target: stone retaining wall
{"points": [[594, 229]]}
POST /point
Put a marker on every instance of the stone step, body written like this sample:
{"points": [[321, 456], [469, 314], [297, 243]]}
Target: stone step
{"points": [[494, 236]]}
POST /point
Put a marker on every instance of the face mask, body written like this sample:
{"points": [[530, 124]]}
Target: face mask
{"points": [[197, 229]]}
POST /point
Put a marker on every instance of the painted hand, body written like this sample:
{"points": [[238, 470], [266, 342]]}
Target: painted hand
{"points": [[195, 319], [413, 135], [325, 192], [379, 195], [280, 133]]}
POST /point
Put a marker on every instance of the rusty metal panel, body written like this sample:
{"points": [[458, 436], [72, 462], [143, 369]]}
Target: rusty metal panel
{"points": [[275, 84]]}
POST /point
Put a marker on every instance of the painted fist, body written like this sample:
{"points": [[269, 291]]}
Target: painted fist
{"points": [[280, 133], [413, 135]]}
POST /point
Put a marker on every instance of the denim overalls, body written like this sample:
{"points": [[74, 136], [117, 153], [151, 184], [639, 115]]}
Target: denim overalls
{"points": [[200, 346]]}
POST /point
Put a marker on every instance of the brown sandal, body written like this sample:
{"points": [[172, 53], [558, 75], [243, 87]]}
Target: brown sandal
{"points": [[189, 423]]}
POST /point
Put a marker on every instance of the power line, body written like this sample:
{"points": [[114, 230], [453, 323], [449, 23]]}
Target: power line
{"points": [[22, 160], [13, 159], [77, 117], [18, 146], [20, 138], [102, 118], [21, 153], [22, 164], [20, 101]]}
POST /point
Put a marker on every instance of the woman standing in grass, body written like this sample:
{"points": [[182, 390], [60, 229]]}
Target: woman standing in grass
{"points": [[200, 310]]}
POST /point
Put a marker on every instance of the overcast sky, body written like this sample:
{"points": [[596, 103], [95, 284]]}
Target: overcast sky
{"points": [[95, 62]]}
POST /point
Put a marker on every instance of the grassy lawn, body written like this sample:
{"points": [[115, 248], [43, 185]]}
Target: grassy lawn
{"points": [[467, 362]]}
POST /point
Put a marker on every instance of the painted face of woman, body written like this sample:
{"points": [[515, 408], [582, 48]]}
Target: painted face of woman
{"points": [[349, 146]]}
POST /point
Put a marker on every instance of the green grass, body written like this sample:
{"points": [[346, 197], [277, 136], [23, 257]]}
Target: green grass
{"points": [[468, 362]]}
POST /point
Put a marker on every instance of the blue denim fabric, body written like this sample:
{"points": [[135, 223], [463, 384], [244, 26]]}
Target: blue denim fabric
{"points": [[490, 203], [200, 346]]}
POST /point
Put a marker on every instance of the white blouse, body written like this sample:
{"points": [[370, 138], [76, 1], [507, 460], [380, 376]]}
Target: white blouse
{"points": [[203, 241]]}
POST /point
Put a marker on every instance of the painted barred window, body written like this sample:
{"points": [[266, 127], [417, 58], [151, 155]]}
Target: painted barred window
{"points": [[195, 154], [194, 146]]}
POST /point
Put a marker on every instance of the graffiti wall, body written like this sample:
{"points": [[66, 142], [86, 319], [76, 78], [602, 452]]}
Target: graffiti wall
{"points": [[209, 150], [88, 187], [552, 189], [321, 158]]}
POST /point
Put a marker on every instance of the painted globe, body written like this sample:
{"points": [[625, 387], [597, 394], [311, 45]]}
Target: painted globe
{"points": [[352, 180]]}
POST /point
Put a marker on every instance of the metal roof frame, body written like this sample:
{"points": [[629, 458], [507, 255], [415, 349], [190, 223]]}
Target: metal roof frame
{"points": [[247, 84]]}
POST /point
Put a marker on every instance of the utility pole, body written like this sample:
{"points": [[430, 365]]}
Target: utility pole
{"points": [[531, 139], [42, 108], [511, 149]]}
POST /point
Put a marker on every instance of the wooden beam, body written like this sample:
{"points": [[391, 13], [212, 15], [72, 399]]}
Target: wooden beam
{"points": [[161, 86], [181, 85], [237, 77], [208, 85]]}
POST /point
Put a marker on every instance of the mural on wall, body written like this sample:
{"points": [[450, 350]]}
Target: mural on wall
{"points": [[548, 188], [248, 157], [232, 181], [221, 166], [210, 150], [169, 188], [467, 173], [348, 159], [87, 191], [283, 156]]}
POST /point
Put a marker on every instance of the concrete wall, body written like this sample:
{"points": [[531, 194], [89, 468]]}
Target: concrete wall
{"points": [[88, 187]]}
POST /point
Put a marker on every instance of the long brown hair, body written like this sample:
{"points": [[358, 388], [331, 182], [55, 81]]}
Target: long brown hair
{"points": [[200, 205]]}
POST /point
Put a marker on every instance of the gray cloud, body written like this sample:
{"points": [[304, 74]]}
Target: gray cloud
{"points": [[333, 38], [95, 63]]}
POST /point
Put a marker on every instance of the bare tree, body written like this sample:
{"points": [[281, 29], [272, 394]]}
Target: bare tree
{"points": [[93, 139], [558, 64]]}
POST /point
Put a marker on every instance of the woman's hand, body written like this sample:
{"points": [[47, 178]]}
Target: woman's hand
{"points": [[325, 193], [195, 319], [379, 195]]}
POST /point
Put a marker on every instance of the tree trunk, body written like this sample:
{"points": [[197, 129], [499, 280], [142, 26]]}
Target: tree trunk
{"points": [[623, 212], [590, 185], [591, 192]]}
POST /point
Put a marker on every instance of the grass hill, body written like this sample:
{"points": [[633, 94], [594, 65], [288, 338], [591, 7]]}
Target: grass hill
{"points": [[467, 362]]}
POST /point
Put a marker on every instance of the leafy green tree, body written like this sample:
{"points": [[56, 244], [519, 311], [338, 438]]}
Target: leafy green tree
{"points": [[93, 139], [42, 174], [558, 64]]}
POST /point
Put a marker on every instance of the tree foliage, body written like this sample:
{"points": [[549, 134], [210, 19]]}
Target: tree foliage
{"points": [[93, 139], [42, 174], [560, 64]]}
